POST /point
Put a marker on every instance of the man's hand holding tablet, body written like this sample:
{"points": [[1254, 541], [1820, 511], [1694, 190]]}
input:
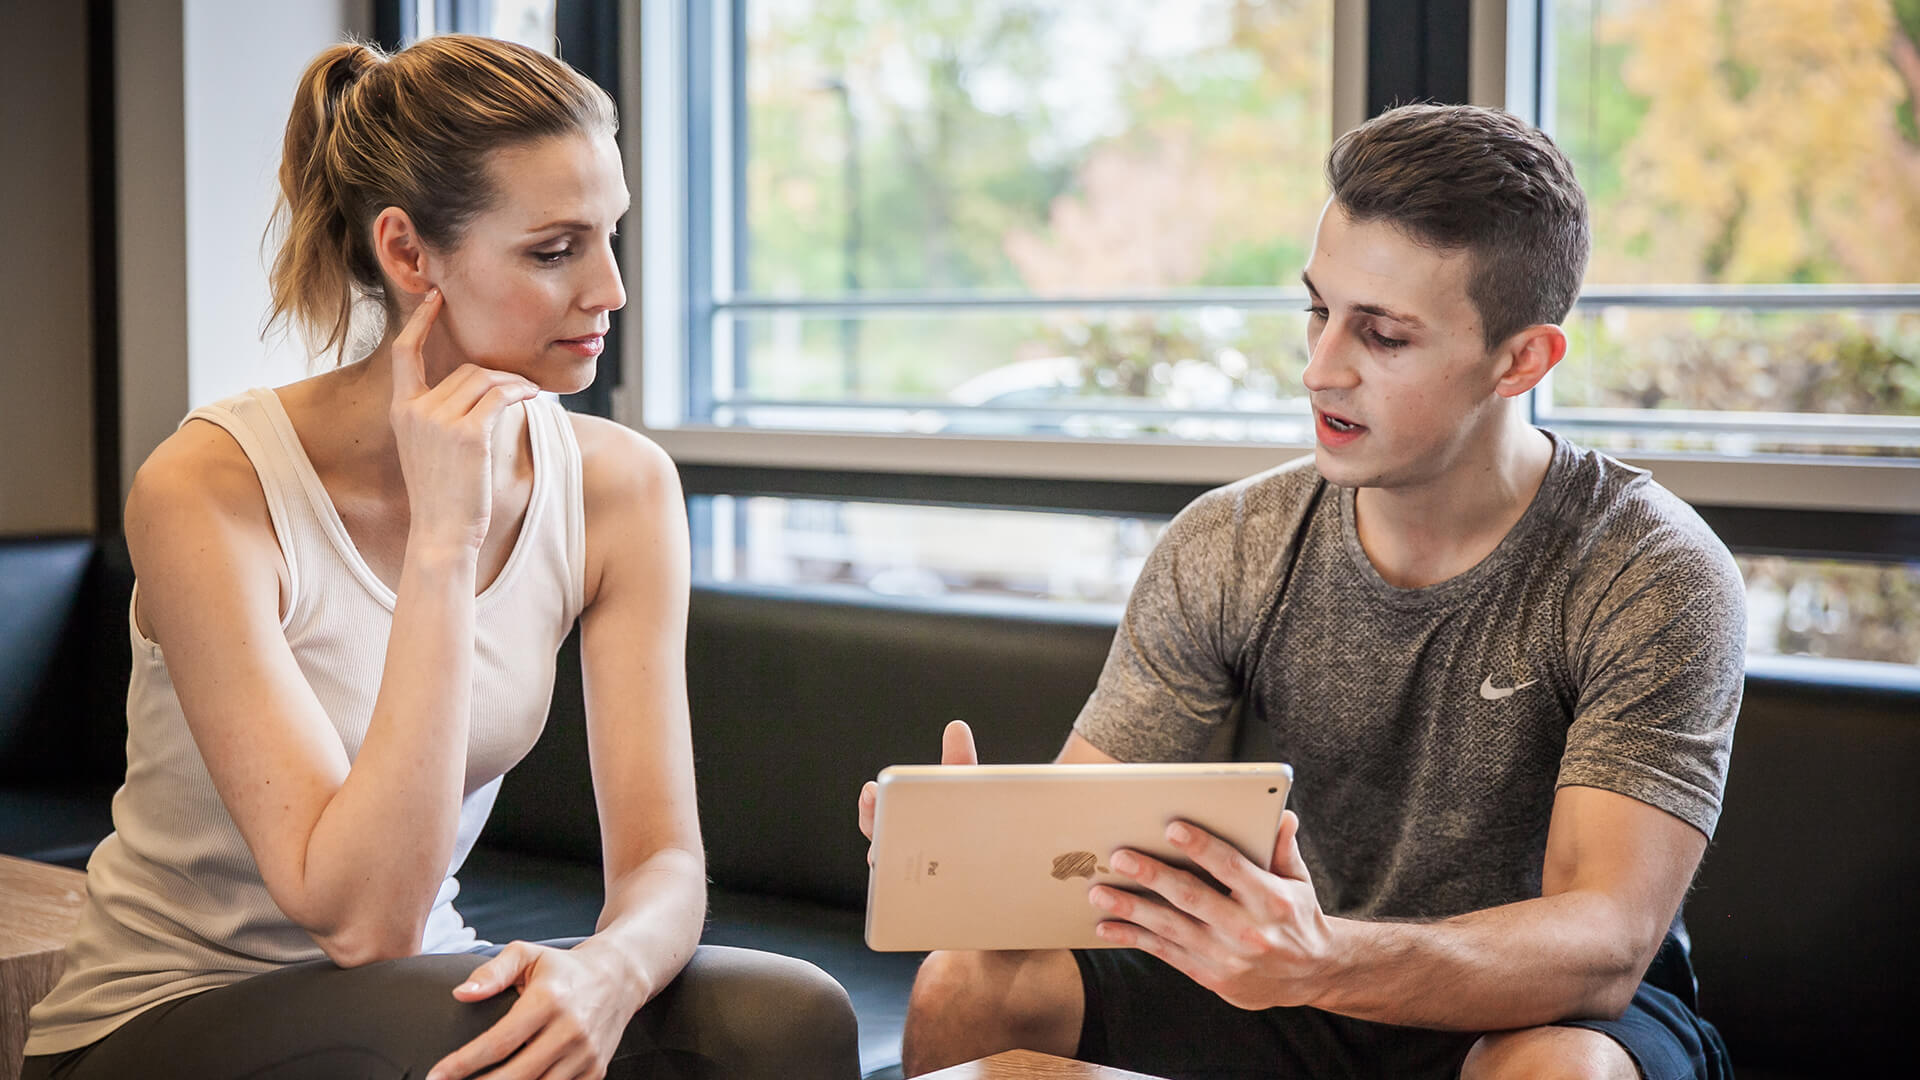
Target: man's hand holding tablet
{"points": [[956, 748], [1263, 942], [1018, 856]]}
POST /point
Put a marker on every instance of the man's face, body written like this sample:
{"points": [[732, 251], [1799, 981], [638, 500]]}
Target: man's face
{"points": [[1400, 378]]}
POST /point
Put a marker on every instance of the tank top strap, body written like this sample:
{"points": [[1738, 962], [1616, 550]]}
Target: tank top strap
{"points": [[558, 447], [249, 421]]}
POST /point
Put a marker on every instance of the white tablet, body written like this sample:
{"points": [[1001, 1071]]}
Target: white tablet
{"points": [[1001, 856]]}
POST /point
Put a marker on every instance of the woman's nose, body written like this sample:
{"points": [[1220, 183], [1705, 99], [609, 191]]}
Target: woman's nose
{"points": [[605, 292]]}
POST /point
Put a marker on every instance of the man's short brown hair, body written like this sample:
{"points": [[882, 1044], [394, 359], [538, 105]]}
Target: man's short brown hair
{"points": [[1466, 178]]}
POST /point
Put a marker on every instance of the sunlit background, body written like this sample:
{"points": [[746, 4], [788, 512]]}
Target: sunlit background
{"points": [[1087, 219]]}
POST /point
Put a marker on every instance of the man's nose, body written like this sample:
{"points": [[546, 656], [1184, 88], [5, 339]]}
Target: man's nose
{"points": [[1328, 361]]}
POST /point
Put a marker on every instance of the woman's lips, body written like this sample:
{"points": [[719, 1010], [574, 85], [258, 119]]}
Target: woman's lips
{"points": [[584, 346]]}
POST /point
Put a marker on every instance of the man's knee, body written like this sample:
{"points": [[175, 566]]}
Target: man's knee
{"points": [[967, 1004], [1026, 991], [1548, 1053]]}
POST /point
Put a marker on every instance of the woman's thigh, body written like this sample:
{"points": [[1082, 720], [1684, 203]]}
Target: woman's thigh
{"points": [[304, 1022], [731, 1013]]}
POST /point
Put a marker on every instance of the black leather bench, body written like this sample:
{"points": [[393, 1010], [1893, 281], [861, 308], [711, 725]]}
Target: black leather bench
{"points": [[1800, 916]]}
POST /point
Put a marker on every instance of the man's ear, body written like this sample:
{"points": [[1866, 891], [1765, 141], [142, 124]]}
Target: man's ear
{"points": [[1527, 356], [402, 255]]}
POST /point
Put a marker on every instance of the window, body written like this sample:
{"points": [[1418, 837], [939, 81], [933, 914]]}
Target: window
{"points": [[529, 22], [1052, 221], [906, 550], [889, 250], [1048, 238], [965, 556], [1754, 173]]}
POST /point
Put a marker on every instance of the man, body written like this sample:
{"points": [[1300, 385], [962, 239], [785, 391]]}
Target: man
{"points": [[1504, 669]]}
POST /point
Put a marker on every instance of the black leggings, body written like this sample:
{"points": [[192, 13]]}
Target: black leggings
{"points": [[731, 1013]]}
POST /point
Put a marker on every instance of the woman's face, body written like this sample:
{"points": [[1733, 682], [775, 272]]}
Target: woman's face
{"points": [[529, 286]]}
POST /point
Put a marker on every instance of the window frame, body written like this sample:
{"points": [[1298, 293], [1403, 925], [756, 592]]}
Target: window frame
{"points": [[681, 245]]}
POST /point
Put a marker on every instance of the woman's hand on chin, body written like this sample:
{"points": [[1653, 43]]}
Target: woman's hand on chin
{"points": [[445, 435], [573, 1008]]}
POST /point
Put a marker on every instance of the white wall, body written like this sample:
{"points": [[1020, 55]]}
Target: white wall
{"points": [[46, 311], [152, 222], [243, 59], [204, 89]]}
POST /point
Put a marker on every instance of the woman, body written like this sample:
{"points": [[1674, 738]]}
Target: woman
{"points": [[351, 592]]}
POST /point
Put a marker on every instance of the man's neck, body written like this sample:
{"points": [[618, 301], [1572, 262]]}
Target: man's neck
{"points": [[1424, 534]]}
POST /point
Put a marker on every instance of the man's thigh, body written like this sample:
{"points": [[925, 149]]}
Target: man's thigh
{"points": [[1665, 1039], [1143, 1015]]}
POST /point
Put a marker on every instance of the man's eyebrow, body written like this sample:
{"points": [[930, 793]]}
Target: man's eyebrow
{"points": [[1372, 309]]}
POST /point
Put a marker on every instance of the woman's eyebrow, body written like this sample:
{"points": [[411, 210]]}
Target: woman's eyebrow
{"points": [[574, 224], [567, 225]]}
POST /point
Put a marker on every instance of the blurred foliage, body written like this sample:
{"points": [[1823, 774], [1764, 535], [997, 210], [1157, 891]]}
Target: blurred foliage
{"points": [[1766, 147], [1745, 142], [937, 144], [1809, 607], [1103, 146], [1735, 359], [1085, 146]]}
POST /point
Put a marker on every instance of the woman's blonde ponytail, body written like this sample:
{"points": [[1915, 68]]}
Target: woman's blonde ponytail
{"points": [[314, 273]]}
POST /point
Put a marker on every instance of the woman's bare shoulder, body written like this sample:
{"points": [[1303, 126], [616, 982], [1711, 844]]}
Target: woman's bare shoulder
{"points": [[197, 482], [620, 464]]}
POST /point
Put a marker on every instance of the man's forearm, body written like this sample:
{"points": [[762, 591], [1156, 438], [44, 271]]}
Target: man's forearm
{"points": [[1560, 957]]}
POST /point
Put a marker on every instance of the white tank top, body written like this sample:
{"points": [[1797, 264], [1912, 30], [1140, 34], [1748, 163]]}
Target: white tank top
{"points": [[175, 904]]}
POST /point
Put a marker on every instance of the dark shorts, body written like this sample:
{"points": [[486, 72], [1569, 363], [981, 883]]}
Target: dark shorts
{"points": [[1143, 1015]]}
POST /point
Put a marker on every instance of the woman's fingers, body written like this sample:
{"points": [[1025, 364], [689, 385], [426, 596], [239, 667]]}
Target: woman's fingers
{"points": [[462, 390], [409, 349], [550, 1052], [511, 1032], [496, 974], [495, 401]]}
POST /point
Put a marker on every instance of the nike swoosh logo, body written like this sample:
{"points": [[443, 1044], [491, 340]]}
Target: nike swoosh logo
{"points": [[1495, 693]]}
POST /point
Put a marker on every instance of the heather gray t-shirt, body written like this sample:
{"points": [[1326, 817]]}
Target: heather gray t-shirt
{"points": [[1601, 644]]}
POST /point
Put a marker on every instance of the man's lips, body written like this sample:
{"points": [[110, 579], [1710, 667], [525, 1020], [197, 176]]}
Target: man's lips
{"points": [[1336, 422]]}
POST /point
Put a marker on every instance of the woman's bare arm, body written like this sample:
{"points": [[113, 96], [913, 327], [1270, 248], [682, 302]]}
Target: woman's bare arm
{"points": [[354, 852], [633, 651]]}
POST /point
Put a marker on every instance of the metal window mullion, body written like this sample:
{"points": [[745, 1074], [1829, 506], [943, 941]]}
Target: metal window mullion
{"points": [[698, 309], [1753, 297]]}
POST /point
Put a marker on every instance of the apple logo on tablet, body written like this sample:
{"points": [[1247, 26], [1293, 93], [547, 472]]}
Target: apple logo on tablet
{"points": [[1076, 864]]}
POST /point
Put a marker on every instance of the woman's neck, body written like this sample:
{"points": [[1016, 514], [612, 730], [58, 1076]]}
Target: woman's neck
{"points": [[343, 420]]}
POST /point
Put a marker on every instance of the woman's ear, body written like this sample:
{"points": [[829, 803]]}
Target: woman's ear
{"points": [[402, 255], [1529, 355]]}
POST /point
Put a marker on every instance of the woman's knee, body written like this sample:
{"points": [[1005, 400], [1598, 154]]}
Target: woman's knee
{"points": [[755, 1014]]}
